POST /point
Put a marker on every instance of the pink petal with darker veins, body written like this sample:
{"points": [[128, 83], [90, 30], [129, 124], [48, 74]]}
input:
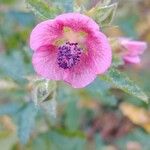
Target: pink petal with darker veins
{"points": [[100, 52], [134, 47], [77, 22], [45, 63], [44, 34], [82, 74], [95, 58]]}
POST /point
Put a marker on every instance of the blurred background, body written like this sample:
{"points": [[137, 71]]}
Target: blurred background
{"points": [[94, 118]]}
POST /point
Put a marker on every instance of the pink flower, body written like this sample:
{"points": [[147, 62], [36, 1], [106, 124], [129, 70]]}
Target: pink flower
{"points": [[133, 50], [71, 48]]}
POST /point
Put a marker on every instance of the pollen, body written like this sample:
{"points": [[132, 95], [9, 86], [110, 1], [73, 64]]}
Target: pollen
{"points": [[69, 55]]}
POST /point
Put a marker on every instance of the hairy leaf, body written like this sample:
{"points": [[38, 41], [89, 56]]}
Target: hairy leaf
{"points": [[42, 90], [103, 15], [26, 121], [121, 81], [42, 9]]}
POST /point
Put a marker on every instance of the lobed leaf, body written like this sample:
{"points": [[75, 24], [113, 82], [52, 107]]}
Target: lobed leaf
{"points": [[122, 81], [42, 9], [103, 15]]}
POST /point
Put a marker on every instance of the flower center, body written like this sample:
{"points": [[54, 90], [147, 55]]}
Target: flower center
{"points": [[68, 55]]}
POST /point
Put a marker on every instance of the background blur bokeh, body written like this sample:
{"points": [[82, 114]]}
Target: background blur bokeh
{"points": [[93, 118]]}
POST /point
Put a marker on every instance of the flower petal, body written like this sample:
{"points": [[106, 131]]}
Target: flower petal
{"points": [[77, 22], [134, 47], [44, 62], [82, 74], [44, 34], [100, 52], [132, 59]]}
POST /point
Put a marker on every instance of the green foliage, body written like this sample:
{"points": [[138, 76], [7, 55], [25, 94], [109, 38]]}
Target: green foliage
{"points": [[20, 22], [128, 23], [117, 61], [72, 116], [103, 15], [66, 94], [9, 109], [99, 89], [99, 143], [42, 10], [43, 90], [121, 81], [66, 5], [8, 142], [106, 2], [7, 1], [58, 141], [26, 122], [11, 68], [138, 136]]}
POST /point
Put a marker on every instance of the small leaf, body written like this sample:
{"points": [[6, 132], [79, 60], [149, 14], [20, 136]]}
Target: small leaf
{"points": [[81, 5], [26, 121], [41, 89], [50, 107], [121, 81], [44, 94], [103, 15], [41, 9]]}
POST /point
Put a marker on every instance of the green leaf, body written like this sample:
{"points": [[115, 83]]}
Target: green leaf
{"points": [[99, 143], [15, 59], [72, 116], [81, 5], [42, 90], [44, 94], [55, 140], [42, 9], [99, 90], [26, 122], [121, 81], [9, 109], [50, 108], [62, 142], [103, 15], [106, 2], [137, 136], [66, 5], [8, 142], [117, 61]]}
